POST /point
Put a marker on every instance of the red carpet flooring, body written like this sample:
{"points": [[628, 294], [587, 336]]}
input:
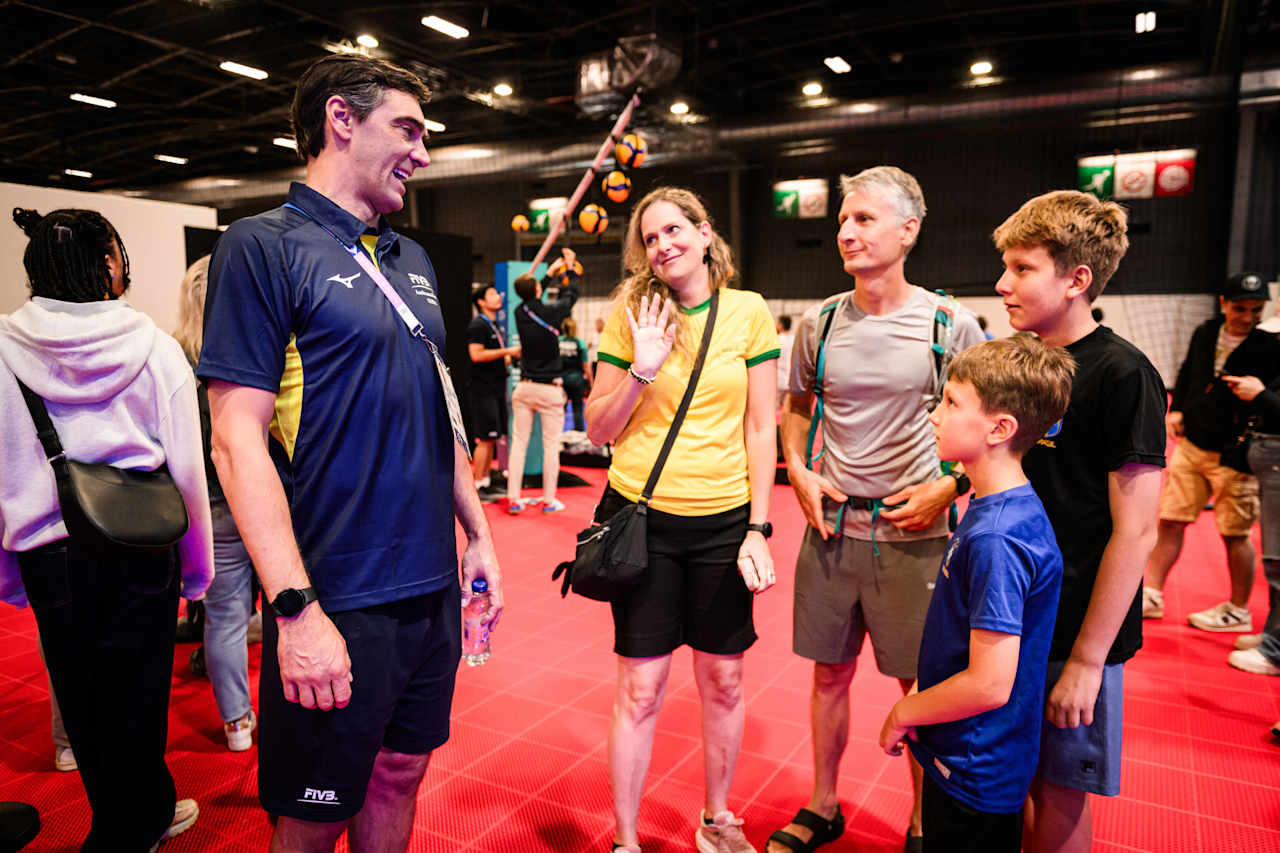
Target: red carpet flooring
{"points": [[525, 769]]}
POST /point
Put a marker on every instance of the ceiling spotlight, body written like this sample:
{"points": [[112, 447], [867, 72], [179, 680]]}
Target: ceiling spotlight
{"points": [[679, 108], [812, 90], [77, 173], [837, 64], [449, 28], [863, 108], [503, 89], [980, 68], [168, 158], [1144, 22], [244, 70], [90, 99], [366, 40], [433, 126], [285, 142]]}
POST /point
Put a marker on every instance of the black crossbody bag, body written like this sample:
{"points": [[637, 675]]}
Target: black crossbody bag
{"points": [[108, 509], [613, 555]]}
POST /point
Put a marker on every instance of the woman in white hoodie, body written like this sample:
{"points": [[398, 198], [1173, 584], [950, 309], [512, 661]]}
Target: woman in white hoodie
{"points": [[118, 391]]}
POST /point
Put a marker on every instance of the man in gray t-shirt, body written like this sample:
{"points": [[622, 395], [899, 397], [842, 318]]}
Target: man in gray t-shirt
{"points": [[876, 503]]}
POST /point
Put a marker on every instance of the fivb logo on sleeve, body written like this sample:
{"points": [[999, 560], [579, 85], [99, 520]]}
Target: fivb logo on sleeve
{"points": [[422, 286]]}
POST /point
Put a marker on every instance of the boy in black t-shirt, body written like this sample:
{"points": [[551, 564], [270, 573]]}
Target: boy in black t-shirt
{"points": [[1097, 471]]}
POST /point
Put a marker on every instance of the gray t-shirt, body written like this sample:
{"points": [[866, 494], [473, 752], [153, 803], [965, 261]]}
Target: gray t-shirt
{"points": [[878, 383]]}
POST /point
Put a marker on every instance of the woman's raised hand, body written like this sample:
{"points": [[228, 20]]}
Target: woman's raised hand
{"points": [[652, 334]]}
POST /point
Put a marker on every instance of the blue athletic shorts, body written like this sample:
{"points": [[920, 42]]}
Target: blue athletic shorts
{"points": [[1086, 758]]}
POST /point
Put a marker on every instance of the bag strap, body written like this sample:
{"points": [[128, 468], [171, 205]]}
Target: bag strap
{"points": [[44, 425], [649, 486], [829, 312]]}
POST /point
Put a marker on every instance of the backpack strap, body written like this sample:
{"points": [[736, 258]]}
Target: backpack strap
{"points": [[826, 316], [944, 320]]}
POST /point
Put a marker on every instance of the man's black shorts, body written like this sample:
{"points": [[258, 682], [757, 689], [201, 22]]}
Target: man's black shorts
{"points": [[488, 413], [315, 765]]}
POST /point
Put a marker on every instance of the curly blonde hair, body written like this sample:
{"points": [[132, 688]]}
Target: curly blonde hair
{"points": [[639, 279], [190, 333]]}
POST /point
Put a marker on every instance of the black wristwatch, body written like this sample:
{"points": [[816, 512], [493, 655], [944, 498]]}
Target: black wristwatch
{"points": [[963, 486], [289, 602], [765, 530]]}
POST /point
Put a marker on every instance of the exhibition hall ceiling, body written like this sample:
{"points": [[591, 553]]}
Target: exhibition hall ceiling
{"points": [[161, 63]]}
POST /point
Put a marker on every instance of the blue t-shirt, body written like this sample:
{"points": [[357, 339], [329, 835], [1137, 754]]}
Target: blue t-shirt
{"points": [[1002, 572], [361, 436]]}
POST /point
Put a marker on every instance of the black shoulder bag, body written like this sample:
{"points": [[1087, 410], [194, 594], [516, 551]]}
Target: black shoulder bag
{"points": [[107, 509], [613, 555]]}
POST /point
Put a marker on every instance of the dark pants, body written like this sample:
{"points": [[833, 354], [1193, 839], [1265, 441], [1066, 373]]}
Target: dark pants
{"points": [[950, 826], [576, 390], [107, 626]]}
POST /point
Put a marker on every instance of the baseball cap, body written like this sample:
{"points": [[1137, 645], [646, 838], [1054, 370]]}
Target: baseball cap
{"points": [[1245, 285]]}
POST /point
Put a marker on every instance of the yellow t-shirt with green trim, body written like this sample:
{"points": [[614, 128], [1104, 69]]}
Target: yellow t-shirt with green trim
{"points": [[706, 472]]}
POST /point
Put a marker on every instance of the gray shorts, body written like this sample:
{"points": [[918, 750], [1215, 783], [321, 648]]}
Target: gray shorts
{"points": [[1086, 758], [844, 591]]}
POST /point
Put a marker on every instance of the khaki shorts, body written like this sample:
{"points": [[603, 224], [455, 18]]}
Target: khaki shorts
{"points": [[843, 591], [1194, 477]]}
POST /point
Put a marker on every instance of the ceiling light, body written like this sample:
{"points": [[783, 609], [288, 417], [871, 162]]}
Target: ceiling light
{"points": [[503, 89], [168, 158], [812, 90], [863, 108], [90, 99], [1145, 74], [980, 68], [837, 64], [366, 40], [244, 70], [449, 28], [285, 142], [77, 173], [1144, 22], [679, 108], [433, 126]]}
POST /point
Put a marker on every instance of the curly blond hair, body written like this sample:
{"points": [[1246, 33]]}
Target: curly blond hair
{"points": [[190, 333], [639, 279]]}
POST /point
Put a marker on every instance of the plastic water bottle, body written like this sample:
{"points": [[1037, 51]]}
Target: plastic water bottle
{"points": [[475, 634]]}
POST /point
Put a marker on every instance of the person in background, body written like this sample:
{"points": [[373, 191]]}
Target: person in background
{"points": [[708, 526], [575, 370], [541, 389], [490, 358], [119, 391], [982, 324], [785, 341], [229, 600]]}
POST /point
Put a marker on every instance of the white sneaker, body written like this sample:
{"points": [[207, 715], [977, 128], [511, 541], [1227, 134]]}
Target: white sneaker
{"points": [[552, 505], [1225, 618], [1152, 603], [722, 835], [1248, 641], [64, 759], [240, 732], [1252, 660], [185, 813]]}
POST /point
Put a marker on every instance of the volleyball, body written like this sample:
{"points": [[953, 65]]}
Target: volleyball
{"points": [[630, 151], [617, 186], [519, 222], [593, 219]]}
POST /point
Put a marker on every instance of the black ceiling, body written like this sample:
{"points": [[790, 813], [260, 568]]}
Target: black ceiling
{"points": [[740, 62]]}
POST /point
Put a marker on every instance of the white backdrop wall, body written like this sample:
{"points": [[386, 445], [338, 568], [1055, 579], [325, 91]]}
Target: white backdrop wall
{"points": [[151, 231]]}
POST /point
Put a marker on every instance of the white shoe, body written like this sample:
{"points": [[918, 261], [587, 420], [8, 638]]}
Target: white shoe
{"points": [[552, 505], [1252, 660], [240, 732], [723, 835], [185, 813], [64, 759], [1225, 618], [1152, 603], [1248, 641]]}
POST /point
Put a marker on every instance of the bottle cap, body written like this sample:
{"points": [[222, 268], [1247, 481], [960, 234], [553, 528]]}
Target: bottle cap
{"points": [[479, 585]]}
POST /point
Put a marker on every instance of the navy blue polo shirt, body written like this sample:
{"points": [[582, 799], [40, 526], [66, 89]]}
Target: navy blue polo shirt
{"points": [[360, 436]]}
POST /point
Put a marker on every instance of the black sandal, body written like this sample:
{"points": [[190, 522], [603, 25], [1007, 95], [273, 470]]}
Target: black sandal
{"points": [[823, 831]]}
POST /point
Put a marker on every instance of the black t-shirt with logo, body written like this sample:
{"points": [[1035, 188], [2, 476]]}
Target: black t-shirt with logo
{"points": [[487, 374], [1115, 418]]}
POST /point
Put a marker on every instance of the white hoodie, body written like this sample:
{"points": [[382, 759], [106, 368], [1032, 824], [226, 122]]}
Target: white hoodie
{"points": [[118, 391]]}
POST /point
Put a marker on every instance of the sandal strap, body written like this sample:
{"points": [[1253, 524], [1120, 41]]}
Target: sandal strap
{"points": [[789, 841], [818, 824]]}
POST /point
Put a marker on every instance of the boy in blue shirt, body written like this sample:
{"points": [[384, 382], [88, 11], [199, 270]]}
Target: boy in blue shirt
{"points": [[973, 719]]}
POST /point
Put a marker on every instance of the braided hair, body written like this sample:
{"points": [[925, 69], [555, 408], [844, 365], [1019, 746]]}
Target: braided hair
{"points": [[66, 257]]}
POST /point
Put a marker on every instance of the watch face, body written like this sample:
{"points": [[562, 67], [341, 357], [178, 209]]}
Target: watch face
{"points": [[289, 602]]}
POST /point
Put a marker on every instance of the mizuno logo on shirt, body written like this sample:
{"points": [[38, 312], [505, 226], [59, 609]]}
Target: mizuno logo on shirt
{"points": [[345, 281]]}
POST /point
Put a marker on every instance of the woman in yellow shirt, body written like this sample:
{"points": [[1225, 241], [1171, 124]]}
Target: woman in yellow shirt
{"points": [[707, 523]]}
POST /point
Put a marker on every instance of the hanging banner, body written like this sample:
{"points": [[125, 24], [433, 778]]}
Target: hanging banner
{"points": [[1139, 174]]}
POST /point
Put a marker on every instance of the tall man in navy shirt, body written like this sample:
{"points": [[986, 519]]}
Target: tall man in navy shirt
{"points": [[342, 458]]}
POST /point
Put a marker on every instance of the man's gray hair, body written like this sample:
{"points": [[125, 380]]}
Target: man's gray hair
{"points": [[895, 186]]}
